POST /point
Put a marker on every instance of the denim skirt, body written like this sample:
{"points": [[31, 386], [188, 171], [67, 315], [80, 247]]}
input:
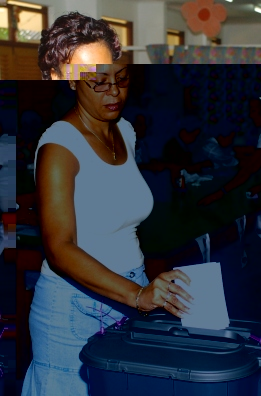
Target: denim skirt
{"points": [[63, 316]]}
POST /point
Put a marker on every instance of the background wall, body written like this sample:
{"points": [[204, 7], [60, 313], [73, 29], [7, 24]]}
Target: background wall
{"points": [[151, 25], [123, 10], [175, 20], [119, 9], [241, 33]]}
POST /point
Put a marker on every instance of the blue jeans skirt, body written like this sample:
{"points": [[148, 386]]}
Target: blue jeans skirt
{"points": [[63, 316]]}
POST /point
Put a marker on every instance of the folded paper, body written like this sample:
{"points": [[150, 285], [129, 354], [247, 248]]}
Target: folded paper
{"points": [[208, 310]]}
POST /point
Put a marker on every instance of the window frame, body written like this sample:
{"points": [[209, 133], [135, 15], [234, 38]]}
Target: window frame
{"points": [[177, 33], [129, 26]]}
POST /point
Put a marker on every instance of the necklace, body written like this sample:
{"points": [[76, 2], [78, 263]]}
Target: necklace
{"points": [[111, 150]]}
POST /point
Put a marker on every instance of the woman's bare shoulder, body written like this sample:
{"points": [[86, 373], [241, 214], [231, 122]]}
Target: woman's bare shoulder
{"points": [[60, 145], [57, 159]]}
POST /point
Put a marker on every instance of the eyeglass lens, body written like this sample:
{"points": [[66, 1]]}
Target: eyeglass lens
{"points": [[121, 83]]}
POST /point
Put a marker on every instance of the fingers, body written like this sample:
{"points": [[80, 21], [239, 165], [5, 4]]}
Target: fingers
{"points": [[173, 310], [177, 304], [177, 274], [162, 292], [178, 290], [168, 277], [171, 302]]}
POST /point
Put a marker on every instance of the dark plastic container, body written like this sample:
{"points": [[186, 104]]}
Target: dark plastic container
{"points": [[157, 356], [1, 365]]}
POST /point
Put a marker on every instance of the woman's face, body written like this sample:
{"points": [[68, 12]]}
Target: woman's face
{"points": [[89, 54], [107, 105]]}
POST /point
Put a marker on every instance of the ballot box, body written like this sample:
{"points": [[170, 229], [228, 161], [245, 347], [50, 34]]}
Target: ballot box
{"points": [[156, 356]]}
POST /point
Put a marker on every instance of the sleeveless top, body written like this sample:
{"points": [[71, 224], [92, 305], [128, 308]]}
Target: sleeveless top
{"points": [[110, 200]]}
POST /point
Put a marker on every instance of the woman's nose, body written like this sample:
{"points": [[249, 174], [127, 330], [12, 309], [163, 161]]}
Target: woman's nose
{"points": [[114, 90]]}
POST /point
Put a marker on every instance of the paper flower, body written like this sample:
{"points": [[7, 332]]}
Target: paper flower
{"points": [[204, 16]]}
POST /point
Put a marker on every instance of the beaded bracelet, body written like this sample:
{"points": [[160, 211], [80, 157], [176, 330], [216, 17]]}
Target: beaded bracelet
{"points": [[137, 303]]}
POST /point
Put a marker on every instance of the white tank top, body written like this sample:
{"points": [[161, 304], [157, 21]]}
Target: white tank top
{"points": [[110, 201]]}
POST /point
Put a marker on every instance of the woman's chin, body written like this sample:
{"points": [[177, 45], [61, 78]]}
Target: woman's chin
{"points": [[113, 115]]}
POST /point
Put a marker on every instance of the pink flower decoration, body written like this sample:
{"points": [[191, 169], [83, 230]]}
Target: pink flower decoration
{"points": [[204, 16]]}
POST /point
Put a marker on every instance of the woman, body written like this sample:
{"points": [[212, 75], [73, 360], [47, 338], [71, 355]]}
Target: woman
{"points": [[76, 39], [91, 198]]}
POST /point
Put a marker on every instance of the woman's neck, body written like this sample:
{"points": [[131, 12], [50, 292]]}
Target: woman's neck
{"points": [[100, 128]]}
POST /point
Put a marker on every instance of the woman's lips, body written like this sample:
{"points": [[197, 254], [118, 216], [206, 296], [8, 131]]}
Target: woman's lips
{"points": [[113, 106]]}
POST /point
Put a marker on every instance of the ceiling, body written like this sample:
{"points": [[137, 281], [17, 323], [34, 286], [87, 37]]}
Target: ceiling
{"points": [[238, 10]]}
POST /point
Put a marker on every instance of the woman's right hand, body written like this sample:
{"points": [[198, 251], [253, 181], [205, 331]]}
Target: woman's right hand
{"points": [[162, 292]]}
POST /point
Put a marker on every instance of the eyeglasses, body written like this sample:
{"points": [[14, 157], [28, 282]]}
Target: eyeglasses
{"points": [[103, 87]]}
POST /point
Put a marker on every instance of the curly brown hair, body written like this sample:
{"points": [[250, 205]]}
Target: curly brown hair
{"points": [[66, 34]]}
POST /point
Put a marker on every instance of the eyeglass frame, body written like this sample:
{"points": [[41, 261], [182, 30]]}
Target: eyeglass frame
{"points": [[110, 84]]}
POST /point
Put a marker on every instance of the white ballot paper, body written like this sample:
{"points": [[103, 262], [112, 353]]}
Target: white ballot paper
{"points": [[208, 309]]}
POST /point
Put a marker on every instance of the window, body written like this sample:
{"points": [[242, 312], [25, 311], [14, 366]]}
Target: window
{"points": [[22, 22], [20, 31], [174, 37], [3, 23], [124, 30], [29, 26]]}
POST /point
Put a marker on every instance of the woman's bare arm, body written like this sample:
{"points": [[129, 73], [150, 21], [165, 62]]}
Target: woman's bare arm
{"points": [[57, 168]]}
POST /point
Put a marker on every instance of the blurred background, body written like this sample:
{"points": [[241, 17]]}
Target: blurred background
{"points": [[198, 147], [139, 23]]}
